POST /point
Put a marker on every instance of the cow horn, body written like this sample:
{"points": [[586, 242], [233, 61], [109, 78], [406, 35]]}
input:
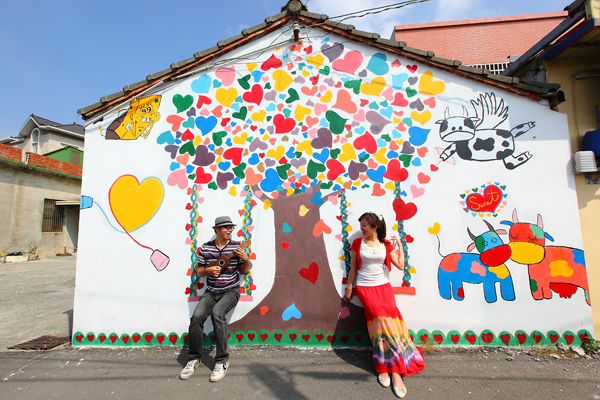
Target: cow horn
{"points": [[465, 112], [491, 228], [471, 235], [447, 113], [540, 222], [515, 218]]}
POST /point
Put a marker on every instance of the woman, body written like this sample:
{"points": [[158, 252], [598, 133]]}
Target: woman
{"points": [[372, 255]]}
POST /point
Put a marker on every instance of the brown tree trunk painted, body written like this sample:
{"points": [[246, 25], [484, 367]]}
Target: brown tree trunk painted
{"points": [[318, 302]]}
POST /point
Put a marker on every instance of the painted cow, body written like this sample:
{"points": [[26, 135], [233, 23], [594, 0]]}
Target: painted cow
{"points": [[478, 139], [551, 268], [487, 267]]}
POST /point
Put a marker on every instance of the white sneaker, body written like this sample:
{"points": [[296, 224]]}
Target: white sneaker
{"points": [[219, 372], [188, 370]]}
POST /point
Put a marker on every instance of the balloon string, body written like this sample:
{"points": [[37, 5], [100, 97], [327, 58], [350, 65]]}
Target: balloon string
{"points": [[146, 247]]}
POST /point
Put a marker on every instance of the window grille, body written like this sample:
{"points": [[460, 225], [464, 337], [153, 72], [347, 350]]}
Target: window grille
{"points": [[495, 68], [35, 141], [53, 217]]}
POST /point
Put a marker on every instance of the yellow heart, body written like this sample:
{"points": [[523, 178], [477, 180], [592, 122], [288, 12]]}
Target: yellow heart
{"points": [[240, 139], [390, 186], [301, 112], [305, 73], [348, 153], [321, 176], [282, 80], [435, 229], [226, 96], [380, 156], [428, 86], [317, 60], [132, 203], [267, 204], [396, 120], [374, 88], [290, 191], [303, 210], [259, 116], [197, 140], [251, 66], [327, 97], [421, 118], [232, 191], [349, 228], [276, 153], [306, 147]]}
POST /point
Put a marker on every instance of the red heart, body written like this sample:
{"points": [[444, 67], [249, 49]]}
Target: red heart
{"points": [[173, 339], [433, 168], [487, 338], [188, 206], [409, 239], [102, 338], [203, 100], [454, 338], [344, 338], [202, 177], [411, 68], [234, 154], [314, 79], [471, 338], [239, 337], [251, 336], [90, 337], [79, 338], [335, 169], [148, 337], [403, 210], [224, 121], [505, 339], [187, 135], [311, 273], [521, 337], [358, 337], [264, 336], [278, 336], [255, 95], [305, 337], [125, 339], [285, 245], [537, 338], [293, 336], [308, 49], [136, 338], [488, 202], [319, 336], [395, 172], [160, 338], [438, 338], [396, 63], [367, 142], [113, 338], [283, 161], [283, 124], [364, 102], [554, 338], [272, 62], [399, 100], [424, 338], [331, 339]]}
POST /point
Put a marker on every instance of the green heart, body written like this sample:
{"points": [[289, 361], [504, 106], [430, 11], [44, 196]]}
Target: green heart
{"points": [[326, 185], [475, 190], [292, 96], [269, 118], [188, 148], [239, 170], [336, 123], [503, 187], [297, 191], [293, 72], [243, 81], [268, 85], [298, 154], [405, 158], [301, 66], [218, 137], [335, 153], [282, 171], [365, 157], [462, 196], [325, 70], [241, 114], [355, 85], [182, 103], [387, 138], [192, 176], [410, 92], [314, 168], [213, 186], [474, 214], [365, 186]]}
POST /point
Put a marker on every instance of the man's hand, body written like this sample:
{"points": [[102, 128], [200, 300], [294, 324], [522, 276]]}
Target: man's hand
{"points": [[241, 253], [213, 271]]}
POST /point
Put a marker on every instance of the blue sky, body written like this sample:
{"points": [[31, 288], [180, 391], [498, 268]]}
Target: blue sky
{"points": [[62, 55]]}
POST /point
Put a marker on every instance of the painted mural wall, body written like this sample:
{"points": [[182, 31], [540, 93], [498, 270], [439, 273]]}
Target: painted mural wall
{"points": [[294, 143]]}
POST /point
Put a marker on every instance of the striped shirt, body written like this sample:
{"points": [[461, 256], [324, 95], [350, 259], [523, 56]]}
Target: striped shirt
{"points": [[230, 277]]}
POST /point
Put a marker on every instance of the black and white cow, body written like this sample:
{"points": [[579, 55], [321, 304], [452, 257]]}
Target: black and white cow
{"points": [[477, 139]]}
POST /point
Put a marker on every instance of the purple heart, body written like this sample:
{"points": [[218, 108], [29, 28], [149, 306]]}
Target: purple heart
{"points": [[329, 81], [378, 122], [412, 80], [204, 157], [271, 96], [297, 163], [257, 144], [332, 52], [177, 135], [323, 139], [295, 131], [223, 178], [418, 105], [355, 169], [299, 79], [363, 73], [269, 162], [191, 112], [270, 129], [172, 149], [310, 103], [355, 123], [407, 148]]}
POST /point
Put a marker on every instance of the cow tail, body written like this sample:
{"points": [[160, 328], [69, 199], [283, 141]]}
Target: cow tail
{"points": [[439, 246]]}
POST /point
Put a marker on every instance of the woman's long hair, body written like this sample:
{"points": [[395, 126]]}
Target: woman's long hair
{"points": [[376, 221]]}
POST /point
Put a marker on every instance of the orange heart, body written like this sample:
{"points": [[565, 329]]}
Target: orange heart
{"points": [[252, 178]]}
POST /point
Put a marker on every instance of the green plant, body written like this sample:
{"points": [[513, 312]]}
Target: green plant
{"points": [[2, 254], [589, 345], [33, 246]]}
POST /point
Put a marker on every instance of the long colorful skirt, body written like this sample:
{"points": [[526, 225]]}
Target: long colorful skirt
{"points": [[393, 350]]}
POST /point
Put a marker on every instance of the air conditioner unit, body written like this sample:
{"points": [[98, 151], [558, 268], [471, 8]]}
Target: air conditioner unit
{"points": [[584, 161]]}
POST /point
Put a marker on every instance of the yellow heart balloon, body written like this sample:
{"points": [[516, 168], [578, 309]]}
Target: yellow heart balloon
{"points": [[132, 203]]}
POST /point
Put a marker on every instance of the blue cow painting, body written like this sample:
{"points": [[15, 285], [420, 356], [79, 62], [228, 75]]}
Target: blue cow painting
{"points": [[487, 268]]}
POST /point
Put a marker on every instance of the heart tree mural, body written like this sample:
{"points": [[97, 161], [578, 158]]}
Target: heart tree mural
{"points": [[301, 128]]}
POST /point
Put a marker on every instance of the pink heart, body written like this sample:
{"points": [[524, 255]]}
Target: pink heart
{"points": [[226, 75], [430, 102], [333, 200], [178, 178], [205, 112], [258, 193], [175, 120], [360, 116], [349, 63], [416, 192], [265, 78], [339, 237], [320, 108], [188, 240], [345, 313], [462, 203], [388, 94]]}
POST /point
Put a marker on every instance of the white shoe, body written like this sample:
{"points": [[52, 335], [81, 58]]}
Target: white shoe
{"points": [[385, 382], [219, 372], [399, 392], [188, 370]]}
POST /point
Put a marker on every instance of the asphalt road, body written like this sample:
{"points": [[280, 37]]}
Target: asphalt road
{"points": [[37, 300]]}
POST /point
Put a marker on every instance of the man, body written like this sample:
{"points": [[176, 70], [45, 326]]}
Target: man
{"points": [[221, 295]]}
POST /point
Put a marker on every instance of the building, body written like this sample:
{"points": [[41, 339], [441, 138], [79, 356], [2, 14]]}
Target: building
{"points": [[490, 43]]}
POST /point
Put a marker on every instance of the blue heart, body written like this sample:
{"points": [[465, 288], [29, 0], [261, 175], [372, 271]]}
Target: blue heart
{"points": [[387, 112], [396, 134], [211, 147], [165, 137], [392, 154], [384, 103], [217, 83], [206, 125], [282, 96], [253, 160], [398, 81], [291, 312], [362, 155], [224, 165], [236, 181], [336, 188], [177, 141], [174, 166], [416, 162], [360, 130], [378, 64], [271, 107], [324, 41], [233, 124], [344, 79], [322, 156], [235, 106], [239, 99], [286, 228], [202, 84], [189, 123], [418, 136], [317, 199], [381, 143], [374, 105], [271, 181], [290, 153], [189, 169], [376, 175], [257, 75], [229, 142], [324, 122]]}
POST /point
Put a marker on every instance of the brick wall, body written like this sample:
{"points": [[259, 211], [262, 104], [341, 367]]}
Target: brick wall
{"points": [[55, 165], [10, 152]]}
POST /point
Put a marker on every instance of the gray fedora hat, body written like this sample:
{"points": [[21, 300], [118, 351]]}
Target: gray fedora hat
{"points": [[223, 221]]}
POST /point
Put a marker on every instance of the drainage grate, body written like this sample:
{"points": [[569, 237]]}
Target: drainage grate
{"points": [[42, 343]]}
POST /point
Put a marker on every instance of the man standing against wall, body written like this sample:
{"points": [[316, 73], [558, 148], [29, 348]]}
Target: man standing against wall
{"points": [[221, 295]]}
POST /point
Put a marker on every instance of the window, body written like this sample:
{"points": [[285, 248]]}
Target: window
{"points": [[53, 217], [35, 141]]}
